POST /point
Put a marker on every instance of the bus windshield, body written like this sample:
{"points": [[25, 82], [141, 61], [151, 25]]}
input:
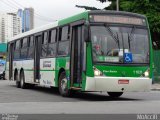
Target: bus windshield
{"points": [[117, 44]]}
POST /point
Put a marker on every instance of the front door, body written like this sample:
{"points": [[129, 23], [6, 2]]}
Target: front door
{"points": [[77, 54], [38, 41]]}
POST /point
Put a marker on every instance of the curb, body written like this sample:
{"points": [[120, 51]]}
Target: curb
{"points": [[155, 89]]}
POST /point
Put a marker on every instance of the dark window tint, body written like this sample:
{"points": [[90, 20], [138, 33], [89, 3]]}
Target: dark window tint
{"points": [[30, 52], [51, 50], [17, 51], [14, 46], [23, 53], [52, 36], [44, 51], [45, 38], [31, 41], [21, 43], [31, 47], [24, 45], [16, 54], [52, 44], [64, 33], [63, 48], [44, 44], [17, 45]]}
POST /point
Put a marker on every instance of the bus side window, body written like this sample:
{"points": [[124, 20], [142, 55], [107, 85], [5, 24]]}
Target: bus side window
{"points": [[24, 48], [17, 46], [52, 43], [30, 47], [17, 50], [44, 44], [63, 44]]}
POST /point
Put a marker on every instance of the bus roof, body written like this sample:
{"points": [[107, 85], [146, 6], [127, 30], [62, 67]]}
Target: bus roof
{"points": [[112, 12], [36, 30], [80, 16], [74, 18], [83, 15]]}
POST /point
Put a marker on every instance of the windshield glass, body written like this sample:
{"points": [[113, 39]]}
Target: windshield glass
{"points": [[116, 44]]}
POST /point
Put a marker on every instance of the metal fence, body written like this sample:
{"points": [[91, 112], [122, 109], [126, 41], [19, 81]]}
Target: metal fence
{"points": [[156, 71]]}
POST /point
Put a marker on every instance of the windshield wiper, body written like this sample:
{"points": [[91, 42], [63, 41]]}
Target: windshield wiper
{"points": [[130, 36], [115, 37]]}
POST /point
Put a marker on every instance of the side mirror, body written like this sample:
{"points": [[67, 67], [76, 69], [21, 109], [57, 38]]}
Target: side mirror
{"points": [[86, 32]]}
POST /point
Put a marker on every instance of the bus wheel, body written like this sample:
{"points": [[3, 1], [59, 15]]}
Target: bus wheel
{"points": [[18, 85], [22, 81], [64, 91], [115, 94]]}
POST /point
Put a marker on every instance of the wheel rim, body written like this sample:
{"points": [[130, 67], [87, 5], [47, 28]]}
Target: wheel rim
{"points": [[64, 85]]}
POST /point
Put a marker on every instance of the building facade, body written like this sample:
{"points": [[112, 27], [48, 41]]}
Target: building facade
{"points": [[27, 16], [10, 25]]}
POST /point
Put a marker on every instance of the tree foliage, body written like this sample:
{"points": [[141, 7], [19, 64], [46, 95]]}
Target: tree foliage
{"points": [[150, 8]]}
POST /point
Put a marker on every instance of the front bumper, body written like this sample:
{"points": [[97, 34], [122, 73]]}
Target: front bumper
{"points": [[110, 84]]}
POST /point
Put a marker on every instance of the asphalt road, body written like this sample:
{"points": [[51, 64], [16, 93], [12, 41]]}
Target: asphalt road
{"points": [[40, 100]]}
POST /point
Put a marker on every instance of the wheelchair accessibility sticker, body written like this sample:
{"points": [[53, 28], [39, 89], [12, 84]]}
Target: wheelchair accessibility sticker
{"points": [[127, 57]]}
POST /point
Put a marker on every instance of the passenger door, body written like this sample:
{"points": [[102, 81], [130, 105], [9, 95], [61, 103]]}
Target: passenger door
{"points": [[77, 53]]}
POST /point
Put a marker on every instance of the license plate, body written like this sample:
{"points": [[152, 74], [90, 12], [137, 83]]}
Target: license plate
{"points": [[123, 81]]}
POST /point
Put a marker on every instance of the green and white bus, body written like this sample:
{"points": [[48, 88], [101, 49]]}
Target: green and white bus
{"points": [[92, 51]]}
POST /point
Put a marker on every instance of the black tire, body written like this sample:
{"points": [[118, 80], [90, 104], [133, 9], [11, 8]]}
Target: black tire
{"points": [[63, 89], [22, 81], [18, 85], [115, 94]]}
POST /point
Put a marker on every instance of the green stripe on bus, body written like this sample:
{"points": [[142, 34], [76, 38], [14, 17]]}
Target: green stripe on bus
{"points": [[80, 16]]}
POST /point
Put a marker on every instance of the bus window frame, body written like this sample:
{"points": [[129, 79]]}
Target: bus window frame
{"points": [[122, 64], [43, 43], [61, 41], [17, 50], [28, 47], [15, 47], [55, 42], [22, 47]]}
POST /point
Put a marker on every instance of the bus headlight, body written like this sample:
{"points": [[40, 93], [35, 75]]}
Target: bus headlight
{"points": [[146, 73], [97, 72]]}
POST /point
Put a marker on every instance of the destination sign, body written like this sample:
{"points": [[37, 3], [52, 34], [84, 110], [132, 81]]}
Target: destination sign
{"points": [[118, 19]]}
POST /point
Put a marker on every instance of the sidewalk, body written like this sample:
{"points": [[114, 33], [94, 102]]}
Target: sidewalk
{"points": [[155, 87]]}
